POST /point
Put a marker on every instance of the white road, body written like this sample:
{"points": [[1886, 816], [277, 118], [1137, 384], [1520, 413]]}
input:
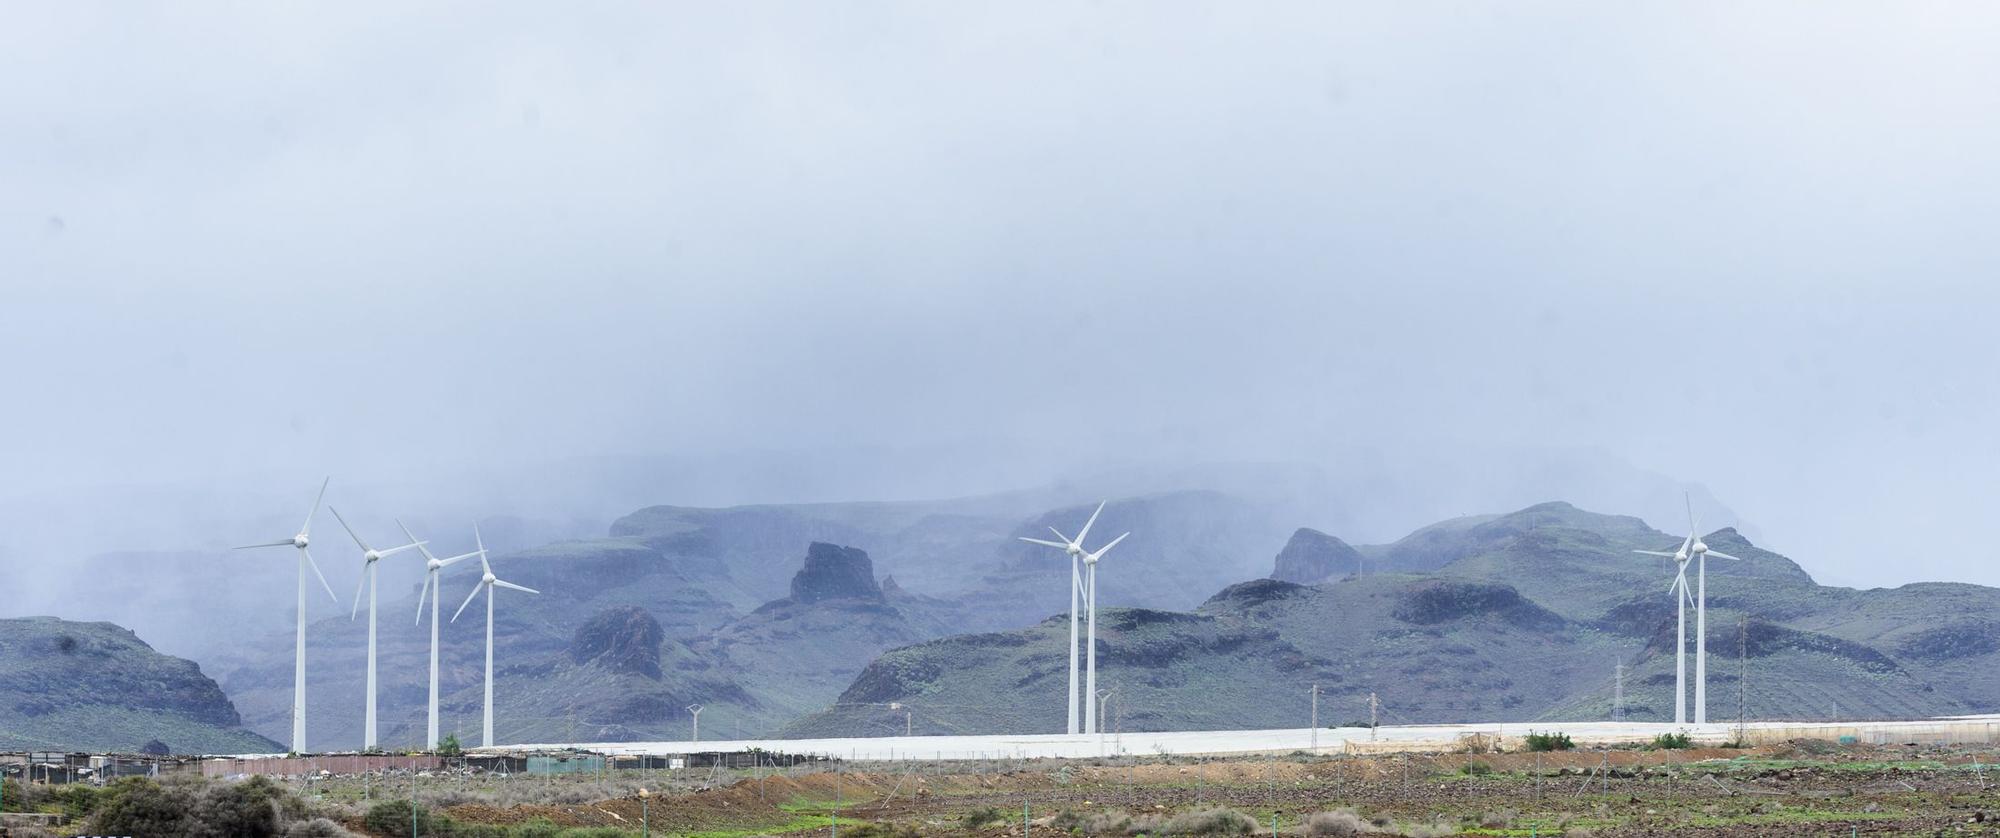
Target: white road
{"points": [[1334, 740]]}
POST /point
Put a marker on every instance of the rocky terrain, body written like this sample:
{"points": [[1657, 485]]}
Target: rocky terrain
{"points": [[1524, 616], [70, 685]]}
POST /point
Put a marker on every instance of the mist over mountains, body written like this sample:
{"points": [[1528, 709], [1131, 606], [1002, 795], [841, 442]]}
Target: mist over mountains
{"points": [[808, 619]]}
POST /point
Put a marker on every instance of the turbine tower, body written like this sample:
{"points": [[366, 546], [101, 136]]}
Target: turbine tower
{"points": [[1090, 603], [299, 662], [432, 565], [1701, 554], [1075, 550], [487, 583], [369, 556], [1680, 594]]}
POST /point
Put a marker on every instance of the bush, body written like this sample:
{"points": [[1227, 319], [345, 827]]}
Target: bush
{"points": [[318, 828], [1475, 768], [1549, 741], [1672, 742], [140, 806], [1340, 822], [983, 817], [537, 828], [1211, 822], [253, 808], [392, 817], [449, 747]]}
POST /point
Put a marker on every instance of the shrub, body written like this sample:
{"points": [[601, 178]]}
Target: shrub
{"points": [[139, 806], [76, 800], [983, 817], [254, 808], [1475, 768], [1211, 822], [1340, 822], [537, 828], [449, 747], [1672, 742], [318, 828], [392, 817], [1549, 741]]}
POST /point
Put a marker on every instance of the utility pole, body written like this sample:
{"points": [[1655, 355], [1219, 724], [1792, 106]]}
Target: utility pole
{"points": [[1315, 724], [907, 724], [1618, 694], [695, 710], [1374, 710], [1742, 671]]}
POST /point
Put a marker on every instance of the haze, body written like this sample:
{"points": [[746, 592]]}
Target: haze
{"points": [[860, 251]]}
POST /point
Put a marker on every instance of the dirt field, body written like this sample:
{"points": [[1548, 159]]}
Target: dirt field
{"points": [[1783, 790]]}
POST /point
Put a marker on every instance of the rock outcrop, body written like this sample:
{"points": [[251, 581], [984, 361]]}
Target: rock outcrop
{"points": [[1313, 556], [622, 639], [835, 572]]}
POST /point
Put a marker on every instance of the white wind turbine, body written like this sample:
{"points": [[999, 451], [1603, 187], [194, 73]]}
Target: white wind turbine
{"points": [[299, 662], [432, 565], [1679, 591], [1075, 550], [1701, 554], [1090, 603], [487, 583], [369, 556]]}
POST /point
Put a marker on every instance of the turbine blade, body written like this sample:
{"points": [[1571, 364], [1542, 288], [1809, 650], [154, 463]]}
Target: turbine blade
{"points": [[476, 540], [1654, 553], [288, 543], [350, 530], [430, 579], [307, 529], [1724, 556], [1107, 548], [456, 559], [1042, 541], [1066, 541], [514, 587], [322, 577], [413, 540], [1085, 533], [358, 585], [394, 550], [468, 601], [1680, 582]]}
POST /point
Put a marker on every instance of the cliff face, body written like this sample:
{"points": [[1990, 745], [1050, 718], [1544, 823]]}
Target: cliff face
{"points": [[622, 639], [835, 572], [97, 686]]}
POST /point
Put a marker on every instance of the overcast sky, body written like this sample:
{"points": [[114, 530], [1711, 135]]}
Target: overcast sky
{"points": [[1749, 246]]}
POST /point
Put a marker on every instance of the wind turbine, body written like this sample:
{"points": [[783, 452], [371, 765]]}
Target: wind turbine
{"points": [[1090, 602], [299, 663], [1701, 554], [369, 556], [1075, 550], [1680, 594], [487, 583], [432, 565]]}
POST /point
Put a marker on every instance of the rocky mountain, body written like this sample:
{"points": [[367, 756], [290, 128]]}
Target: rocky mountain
{"points": [[762, 587], [1516, 617], [97, 686]]}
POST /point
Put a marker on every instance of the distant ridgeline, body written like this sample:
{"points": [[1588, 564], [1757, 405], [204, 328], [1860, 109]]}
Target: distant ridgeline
{"points": [[782, 620]]}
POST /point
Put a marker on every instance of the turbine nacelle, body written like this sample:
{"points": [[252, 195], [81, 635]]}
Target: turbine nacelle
{"points": [[488, 579], [301, 541]]}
